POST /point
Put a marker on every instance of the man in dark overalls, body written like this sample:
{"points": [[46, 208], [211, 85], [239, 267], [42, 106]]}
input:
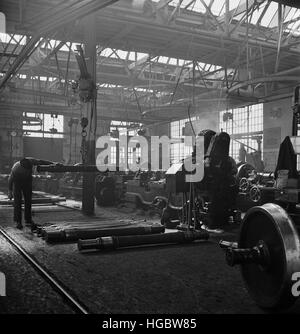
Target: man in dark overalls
{"points": [[20, 182]]}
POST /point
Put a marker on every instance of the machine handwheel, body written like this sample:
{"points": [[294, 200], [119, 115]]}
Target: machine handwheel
{"points": [[244, 184], [255, 194], [270, 284], [244, 170]]}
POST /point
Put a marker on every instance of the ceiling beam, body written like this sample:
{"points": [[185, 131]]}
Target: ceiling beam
{"points": [[63, 16]]}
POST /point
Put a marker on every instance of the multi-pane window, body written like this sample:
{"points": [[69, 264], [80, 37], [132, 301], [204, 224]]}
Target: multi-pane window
{"points": [[179, 150], [122, 155], [245, 126], [130, 156], [43, 125], [113, 155], [122, 128]]}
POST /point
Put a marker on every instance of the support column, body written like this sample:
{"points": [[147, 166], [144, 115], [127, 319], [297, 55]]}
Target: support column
{"points": [[88, 186], [227, 18]]}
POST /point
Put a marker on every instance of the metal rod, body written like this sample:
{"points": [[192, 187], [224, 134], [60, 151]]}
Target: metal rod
{"points": [[65, 168], [114, 242], [76, 234], [36, 200]]}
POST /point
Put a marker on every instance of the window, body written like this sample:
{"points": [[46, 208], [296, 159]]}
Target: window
{"points": [[122, 128], [245, 126], [131, 151], [113, 155], [43, 125], [130, 156], [122, 155]]}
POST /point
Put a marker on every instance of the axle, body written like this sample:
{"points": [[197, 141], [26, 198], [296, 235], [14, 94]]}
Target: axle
{"points": [[258, 254], [74, 234], [114, 242]]}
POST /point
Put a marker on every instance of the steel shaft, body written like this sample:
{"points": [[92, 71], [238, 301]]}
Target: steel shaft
{"points": [[75, 234], [258, 254], [114, 242], [66, 168]]}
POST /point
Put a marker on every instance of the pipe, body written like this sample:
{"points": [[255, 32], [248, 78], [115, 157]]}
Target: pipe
{"points": [[115, 242]]}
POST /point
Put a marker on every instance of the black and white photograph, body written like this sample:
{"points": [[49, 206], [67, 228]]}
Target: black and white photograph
{"points": [[149, 161]]}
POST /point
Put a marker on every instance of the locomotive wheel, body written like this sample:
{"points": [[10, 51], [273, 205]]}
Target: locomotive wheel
{"points": [[255, 194], [270, 284]]}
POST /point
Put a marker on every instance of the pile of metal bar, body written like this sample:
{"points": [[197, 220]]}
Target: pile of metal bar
{"points": [[73, 231]]}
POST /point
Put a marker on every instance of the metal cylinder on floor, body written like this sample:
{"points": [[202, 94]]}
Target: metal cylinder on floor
{"points": [[115, 242], [76, 234]]}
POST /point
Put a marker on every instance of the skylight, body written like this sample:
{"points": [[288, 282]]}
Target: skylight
{"points": [[237, 8]]}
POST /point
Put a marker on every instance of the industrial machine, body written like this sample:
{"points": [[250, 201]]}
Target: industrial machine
{"points": [[268, 247], [105, 190], [144, 187], [108, 239], [46, 183], [255, 188], [147, 190], [211, 201], [110, 187]]}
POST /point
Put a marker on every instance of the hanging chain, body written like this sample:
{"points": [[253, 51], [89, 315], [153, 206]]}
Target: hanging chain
{"points": [[83, 150]]}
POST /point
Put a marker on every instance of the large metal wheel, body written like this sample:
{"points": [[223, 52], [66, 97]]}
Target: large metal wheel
{"points": [[270, 284]]}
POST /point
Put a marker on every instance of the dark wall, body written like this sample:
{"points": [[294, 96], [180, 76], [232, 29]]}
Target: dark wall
{"points": [[44, 148]]}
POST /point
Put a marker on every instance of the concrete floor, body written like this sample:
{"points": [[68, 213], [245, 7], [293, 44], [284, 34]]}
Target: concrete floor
{"points": [[178, 279]]}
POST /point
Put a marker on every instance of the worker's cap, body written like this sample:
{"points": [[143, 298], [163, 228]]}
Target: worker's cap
{"points": [[26, 163]]}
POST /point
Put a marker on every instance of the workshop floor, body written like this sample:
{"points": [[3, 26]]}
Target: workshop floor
{"points": [[191, 278]]}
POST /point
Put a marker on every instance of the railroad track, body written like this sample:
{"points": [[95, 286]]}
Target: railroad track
{"points": [[67, 296]]}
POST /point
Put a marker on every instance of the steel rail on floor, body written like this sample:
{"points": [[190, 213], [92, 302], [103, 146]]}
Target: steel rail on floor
{"points": [[76, 305]]}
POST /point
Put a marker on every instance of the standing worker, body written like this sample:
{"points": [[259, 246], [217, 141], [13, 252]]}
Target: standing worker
{"points": [[20, 182]]}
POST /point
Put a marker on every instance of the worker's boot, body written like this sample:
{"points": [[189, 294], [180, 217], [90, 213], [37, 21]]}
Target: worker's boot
{"points": [[19, 225], [33, 227]]}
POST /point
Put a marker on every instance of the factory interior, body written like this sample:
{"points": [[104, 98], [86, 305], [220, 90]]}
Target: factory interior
{"points": [[149, 157]]}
